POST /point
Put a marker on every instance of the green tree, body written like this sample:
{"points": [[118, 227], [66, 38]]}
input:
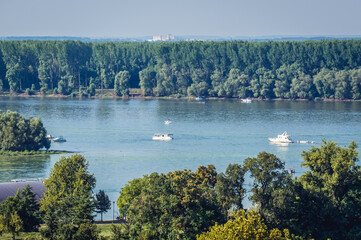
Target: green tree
{"points": [[229, 187], [10, 224], [174, 206], [121, 85], [103, 203], [247, 226], [269, 176], [19, 134], [334, 172], [26, 208], [68, 202]]}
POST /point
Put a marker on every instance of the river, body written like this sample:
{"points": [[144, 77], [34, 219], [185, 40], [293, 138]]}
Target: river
{"points": [[115, 135]]}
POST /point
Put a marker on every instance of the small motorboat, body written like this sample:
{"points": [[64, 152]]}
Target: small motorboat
{"points": [[167, 122], [59, 139], [163, 136], [282, 138]]}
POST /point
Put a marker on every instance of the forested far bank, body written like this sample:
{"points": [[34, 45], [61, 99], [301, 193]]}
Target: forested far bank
{"points": [[236, 69]]}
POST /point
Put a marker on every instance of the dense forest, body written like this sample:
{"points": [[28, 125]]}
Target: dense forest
{"points": [[237, 69]]}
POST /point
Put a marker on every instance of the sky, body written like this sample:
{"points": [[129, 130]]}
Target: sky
{"points": [[137, 18]]}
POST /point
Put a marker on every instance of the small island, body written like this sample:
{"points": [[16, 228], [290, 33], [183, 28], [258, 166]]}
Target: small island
{"points": [[20, 136]]}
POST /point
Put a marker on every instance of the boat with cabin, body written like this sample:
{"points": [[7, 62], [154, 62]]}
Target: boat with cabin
{"points": [[281, 138], [163, 136]]}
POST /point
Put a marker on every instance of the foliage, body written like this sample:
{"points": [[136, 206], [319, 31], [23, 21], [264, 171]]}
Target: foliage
{"points": [[269, 176], [10, 224], [121, 84], [334, 173], [20, 134], [26, 208], [244, 226], [229, 188], [174, 206], [309, 69], [103, 203], [68, 202]]}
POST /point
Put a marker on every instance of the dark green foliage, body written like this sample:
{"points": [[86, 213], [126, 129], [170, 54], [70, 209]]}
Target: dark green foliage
{"points": [[229, 188], [310, 69], [103, 203], [323, 203], [20, 134], [178, 205], [26, 207]]}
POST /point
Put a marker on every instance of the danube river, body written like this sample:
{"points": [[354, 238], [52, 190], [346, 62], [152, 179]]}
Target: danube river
{"points": [[115, 136]]}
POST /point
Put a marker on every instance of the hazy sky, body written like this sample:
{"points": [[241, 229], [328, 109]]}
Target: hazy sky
{"points": [[132, 18]]}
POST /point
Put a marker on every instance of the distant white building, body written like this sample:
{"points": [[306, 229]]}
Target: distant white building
{"points": [[164, 38]]}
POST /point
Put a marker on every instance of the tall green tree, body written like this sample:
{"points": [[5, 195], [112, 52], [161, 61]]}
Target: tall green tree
{"points": [[269, 176], [121, 85], [68, 202], [229, 188]]}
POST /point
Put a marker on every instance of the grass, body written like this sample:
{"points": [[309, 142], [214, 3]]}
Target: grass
{"points": [[105, 231], [27, 153]]}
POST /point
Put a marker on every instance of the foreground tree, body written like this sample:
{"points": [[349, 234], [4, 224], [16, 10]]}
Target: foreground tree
{"points": [[10, 224], [68, 202], [229, 188], [19, 134], [102, 204], [269, 177], [245, 226], [334, 173], [178, 205], [25, 206]]}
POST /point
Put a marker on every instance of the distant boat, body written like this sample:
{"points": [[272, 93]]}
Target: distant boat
{"points": [[167, 122], [200, 98], [282, 138], [246, 100], [163, 136], [304, 141], [59, 139]]}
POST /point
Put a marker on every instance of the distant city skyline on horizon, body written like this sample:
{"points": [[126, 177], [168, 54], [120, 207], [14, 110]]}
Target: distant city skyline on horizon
{"points": [[140, 18]]}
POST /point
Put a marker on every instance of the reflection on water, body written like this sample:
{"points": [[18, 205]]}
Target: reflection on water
{"points": [[23, 167]]}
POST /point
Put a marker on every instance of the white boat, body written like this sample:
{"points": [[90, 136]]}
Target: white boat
{"points": [[59, 139], [163, 136], [246, 100], [167, 122], [282, 138]]}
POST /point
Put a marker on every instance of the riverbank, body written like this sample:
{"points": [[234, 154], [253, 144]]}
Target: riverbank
{"points": [[136, 94]]}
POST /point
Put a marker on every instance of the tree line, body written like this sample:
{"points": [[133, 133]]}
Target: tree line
{"points": [[323, 203], [236, 69]]}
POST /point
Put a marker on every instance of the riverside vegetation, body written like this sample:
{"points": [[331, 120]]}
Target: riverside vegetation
{"points": [[20, 136], [328, 69], [323, 203]]}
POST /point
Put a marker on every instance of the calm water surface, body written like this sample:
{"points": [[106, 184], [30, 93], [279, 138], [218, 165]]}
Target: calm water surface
{"points": [[115, 136]]}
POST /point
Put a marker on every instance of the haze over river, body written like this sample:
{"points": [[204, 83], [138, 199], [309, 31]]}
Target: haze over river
{"points": [[115, 136]]}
